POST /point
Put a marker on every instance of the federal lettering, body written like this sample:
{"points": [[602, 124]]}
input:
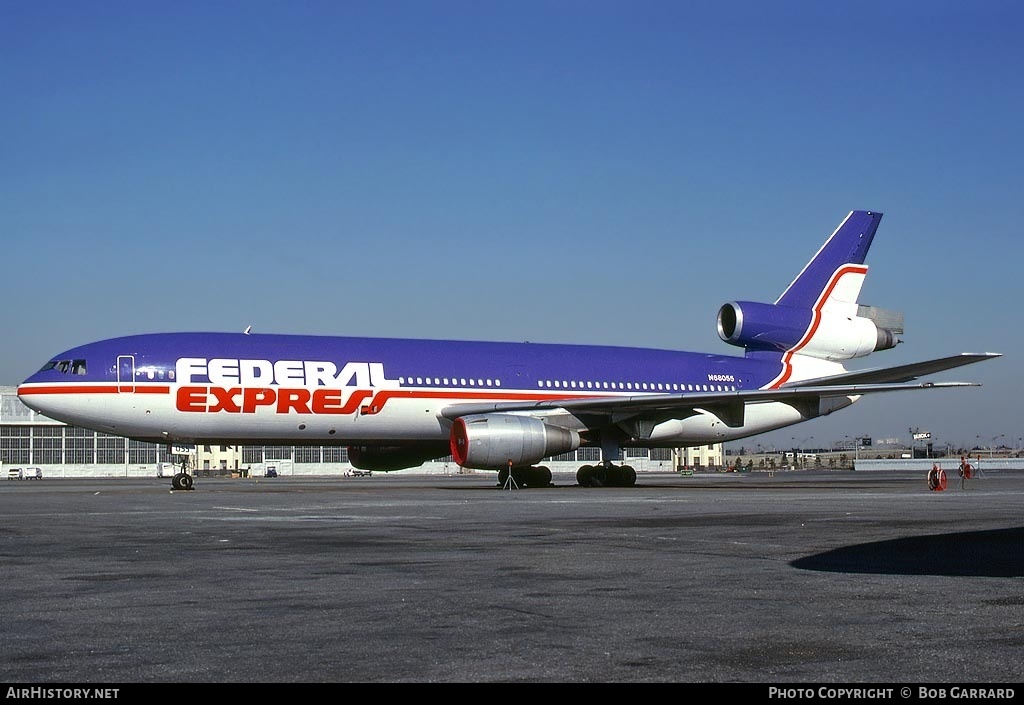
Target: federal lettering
{"points": [[231, 372]]}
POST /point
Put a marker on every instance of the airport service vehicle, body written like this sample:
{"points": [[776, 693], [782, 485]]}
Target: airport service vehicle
{"points": [[24, 473], [397, 403]]}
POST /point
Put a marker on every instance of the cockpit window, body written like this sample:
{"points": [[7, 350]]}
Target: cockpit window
{"points": [[75, 367]]}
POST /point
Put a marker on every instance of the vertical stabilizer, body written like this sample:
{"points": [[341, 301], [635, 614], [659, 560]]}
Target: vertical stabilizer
{"points": [[817, 323], [835, 274], [829, 286]]}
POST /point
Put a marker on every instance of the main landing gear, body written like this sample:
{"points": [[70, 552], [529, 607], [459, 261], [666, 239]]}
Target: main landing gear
{"points": [[537, 476], [603, 475], [606, 475]]}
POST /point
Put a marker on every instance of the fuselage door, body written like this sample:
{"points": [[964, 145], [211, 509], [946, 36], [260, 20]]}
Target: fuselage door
{"points": [[125, 373]]}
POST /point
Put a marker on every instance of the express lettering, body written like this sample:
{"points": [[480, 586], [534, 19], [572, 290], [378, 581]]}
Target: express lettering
{"points": [[237, 400]]}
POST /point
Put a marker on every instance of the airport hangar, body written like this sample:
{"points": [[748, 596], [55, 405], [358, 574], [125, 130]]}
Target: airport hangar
{"points": [[30, 440]]}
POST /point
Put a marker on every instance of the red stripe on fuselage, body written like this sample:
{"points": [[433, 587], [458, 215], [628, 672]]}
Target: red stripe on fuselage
{"points": [[373, 406], [87, 388]]}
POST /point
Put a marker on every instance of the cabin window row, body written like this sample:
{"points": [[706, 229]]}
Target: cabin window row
{"points": [[451, 381], [642, 386]]}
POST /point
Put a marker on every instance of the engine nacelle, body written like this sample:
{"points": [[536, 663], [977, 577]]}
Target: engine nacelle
{"points": [[830, 336], [385, 458], [495, 441]]}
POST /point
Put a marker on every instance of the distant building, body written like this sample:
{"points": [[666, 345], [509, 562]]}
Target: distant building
{"points": [[697, 457]]}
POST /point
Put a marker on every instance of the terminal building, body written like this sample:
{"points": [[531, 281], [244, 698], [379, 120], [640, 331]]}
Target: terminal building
{"points": [[31, 440]]}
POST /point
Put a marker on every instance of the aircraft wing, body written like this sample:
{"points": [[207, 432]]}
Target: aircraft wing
{"points": [[729, 406]]}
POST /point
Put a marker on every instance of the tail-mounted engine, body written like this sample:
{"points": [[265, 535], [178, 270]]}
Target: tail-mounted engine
{"points": [[826, 335], [497, 441]]}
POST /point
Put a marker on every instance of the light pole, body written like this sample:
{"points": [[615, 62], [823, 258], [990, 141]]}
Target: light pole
{"points": [[855, 442], [992, 448], [800, 446]]}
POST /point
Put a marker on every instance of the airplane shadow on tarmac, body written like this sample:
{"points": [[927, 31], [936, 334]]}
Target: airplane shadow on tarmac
{"points": [[994, 553]]}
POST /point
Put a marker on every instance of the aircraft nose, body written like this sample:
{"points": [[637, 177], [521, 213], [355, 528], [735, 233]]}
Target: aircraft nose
{"points": [[45, 391], [30, 395]]}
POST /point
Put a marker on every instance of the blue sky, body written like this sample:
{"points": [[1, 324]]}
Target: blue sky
{"points": [[586, 172]]}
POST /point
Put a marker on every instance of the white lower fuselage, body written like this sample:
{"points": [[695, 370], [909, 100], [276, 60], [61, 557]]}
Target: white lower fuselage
{"points": [[190, 414]]}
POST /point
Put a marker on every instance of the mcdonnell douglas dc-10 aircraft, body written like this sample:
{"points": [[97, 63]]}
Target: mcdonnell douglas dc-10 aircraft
{"points": [[397, 403]]}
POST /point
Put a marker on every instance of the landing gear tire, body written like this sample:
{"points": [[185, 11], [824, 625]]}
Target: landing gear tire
{"points": [[181, 481], [593, 476], [606, 476], [623, 476], [583, 475], [538, 476]]}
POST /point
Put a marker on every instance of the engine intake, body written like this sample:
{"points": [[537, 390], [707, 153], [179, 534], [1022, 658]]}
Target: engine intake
{"points": [[495, 441]]}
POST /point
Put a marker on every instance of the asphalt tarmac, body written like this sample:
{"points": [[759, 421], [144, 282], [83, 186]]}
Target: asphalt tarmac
{"points": [[800, 577]]}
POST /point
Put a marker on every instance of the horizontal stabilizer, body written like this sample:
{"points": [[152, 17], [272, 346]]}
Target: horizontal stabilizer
{"points": [[900, 373]]}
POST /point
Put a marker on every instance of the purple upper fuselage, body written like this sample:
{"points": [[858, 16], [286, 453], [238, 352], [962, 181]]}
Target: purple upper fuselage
{"points": [[522, 366]]}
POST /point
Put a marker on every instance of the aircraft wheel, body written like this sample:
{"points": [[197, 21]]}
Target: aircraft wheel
{"points": [[181, 481], [540, 477], [626, 476], [616, 478], [583, 475]]}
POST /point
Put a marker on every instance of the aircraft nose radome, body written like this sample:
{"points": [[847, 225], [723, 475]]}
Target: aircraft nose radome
{"points": [[30, 392], [25, 394]]}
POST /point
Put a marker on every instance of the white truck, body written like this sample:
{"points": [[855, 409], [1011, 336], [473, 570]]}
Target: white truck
{"points": [[24, 473]]}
